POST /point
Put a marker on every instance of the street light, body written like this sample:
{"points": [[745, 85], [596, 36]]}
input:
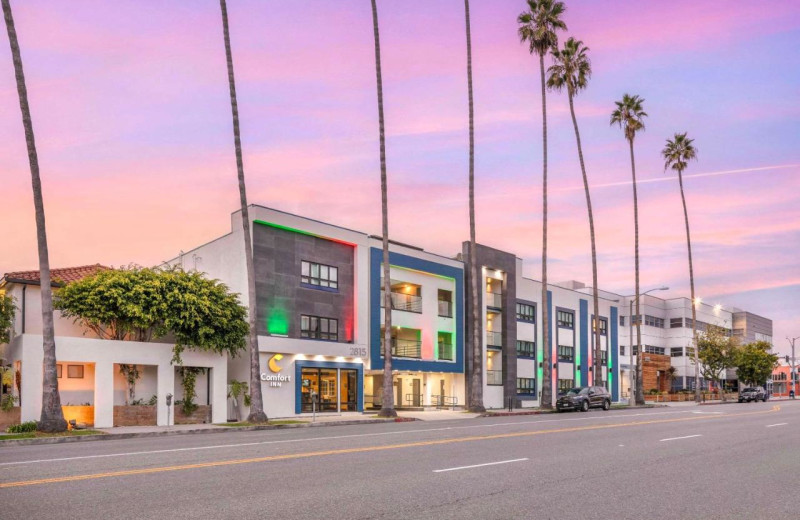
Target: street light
{"points": [[630, 337]]}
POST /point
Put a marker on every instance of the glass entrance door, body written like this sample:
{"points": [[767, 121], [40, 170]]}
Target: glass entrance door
{"points": [[349, 390], [309, 383], [327, 390]]}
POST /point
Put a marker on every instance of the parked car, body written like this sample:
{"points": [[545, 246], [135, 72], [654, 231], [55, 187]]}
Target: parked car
{"points": [[753, 393], [584, 397]]}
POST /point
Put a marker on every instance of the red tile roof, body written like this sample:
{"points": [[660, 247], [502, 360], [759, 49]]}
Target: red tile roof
{"points": [[60, 276]]}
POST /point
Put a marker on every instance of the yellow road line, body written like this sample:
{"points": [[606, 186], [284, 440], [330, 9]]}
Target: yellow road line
{"points": [[145, 471]]}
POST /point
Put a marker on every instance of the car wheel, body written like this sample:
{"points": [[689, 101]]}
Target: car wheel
{"points": [[585, 406], [741, 401], [606, 405]]}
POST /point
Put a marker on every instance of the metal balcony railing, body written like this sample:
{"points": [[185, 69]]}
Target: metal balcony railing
{"points": [[494, 339], [445, 351], [445, 309], [494, 377], [405, 348], [404, 302]]}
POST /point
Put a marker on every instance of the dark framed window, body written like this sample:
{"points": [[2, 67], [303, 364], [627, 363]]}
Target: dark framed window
{"points": [[676, 352], [603, 326], [566, 353], [314, 327], [652, 321], [59, 370], [622, 321], [565, 384], [603, 357], [565, 319], [636, 319], [319, 274], [635, 350], [526, 349], [526, 386], [75, 371], [526, 312], [675, 323], [650, 349], [622, 350]]}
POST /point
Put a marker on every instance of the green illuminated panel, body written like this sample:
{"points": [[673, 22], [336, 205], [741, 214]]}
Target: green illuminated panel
{"points": [[277, 321]]}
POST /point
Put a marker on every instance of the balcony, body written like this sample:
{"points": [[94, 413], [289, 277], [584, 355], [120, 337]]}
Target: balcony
{"points": [[445, 309], [494, 300], [405, 348], [446, 351], [494, 339], [404, 302], [494, 377]]}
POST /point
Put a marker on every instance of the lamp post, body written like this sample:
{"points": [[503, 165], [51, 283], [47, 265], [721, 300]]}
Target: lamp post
{"points": [[638, 347], [792, 371]]}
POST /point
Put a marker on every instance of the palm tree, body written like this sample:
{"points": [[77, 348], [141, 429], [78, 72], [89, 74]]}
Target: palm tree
{"points": [[387, 401], [538, 28], [677, 154], [476, 377], [52, 417], [257, 414], [572, 69], [629, 115]]}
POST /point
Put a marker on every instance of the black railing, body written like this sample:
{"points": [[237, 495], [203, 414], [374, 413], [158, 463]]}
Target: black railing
{"points": [[404, 302], [494, 300], [494, 377], [494, 339], [445, 309], [405, 348]]}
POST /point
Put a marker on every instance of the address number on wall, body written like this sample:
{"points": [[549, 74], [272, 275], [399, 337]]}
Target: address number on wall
{"points": [[358, 351]]}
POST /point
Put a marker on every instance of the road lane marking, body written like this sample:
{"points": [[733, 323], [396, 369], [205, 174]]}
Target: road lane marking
{"points": [[479, 465], [364, 449], [679, 438], [334, 437], [707, 412], [779, 424]]}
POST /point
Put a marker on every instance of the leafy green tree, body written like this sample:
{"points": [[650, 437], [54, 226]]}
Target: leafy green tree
{"points": [[537, 28], [143, 304], [629, 115], [677, 154], [52, 417], [7, 312], [257, 414], [387, 400], [755, 363], [717, 352], [571, 70]]}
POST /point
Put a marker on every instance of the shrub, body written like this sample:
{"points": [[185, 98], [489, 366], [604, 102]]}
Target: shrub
{"points": [[26, 427], [8, 402]]}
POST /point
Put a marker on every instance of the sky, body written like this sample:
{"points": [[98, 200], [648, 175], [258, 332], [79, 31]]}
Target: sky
{"points": [[132, 117]]}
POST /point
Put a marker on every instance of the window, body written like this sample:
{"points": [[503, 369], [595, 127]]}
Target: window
{"points": [[526, 349], [676, 352], [526, 312], [603, 357], [690, 351], [622, 350], [635, 350], [314, 327], [59, 371], [566, 353], [603, 326], [652, 321], [636, 319], [650, 349], [445, 299], [526, 386], [675, 323], [564, 385], [622, 321], [319, 274], [565, 319], [75, 371]]}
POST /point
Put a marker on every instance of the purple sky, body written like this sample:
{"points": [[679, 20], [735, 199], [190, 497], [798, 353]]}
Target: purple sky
{"points": [[132, 118]]}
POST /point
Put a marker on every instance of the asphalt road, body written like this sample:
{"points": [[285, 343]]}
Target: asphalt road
{"points": [[728, 461]]}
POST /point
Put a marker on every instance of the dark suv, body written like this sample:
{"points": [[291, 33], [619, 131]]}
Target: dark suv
{"points": [[755, 393], [584, 397]]}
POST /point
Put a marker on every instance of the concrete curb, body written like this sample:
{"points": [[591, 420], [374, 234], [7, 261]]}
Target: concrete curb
{"points": [[169, 433], [542, 412]]}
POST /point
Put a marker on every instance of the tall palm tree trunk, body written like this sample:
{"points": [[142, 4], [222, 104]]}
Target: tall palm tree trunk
{"points": [[639, 381], [476, 376], [52, 417], [598, 365], [547, 373], [697, 395], [387, 402], [257, 413]]}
